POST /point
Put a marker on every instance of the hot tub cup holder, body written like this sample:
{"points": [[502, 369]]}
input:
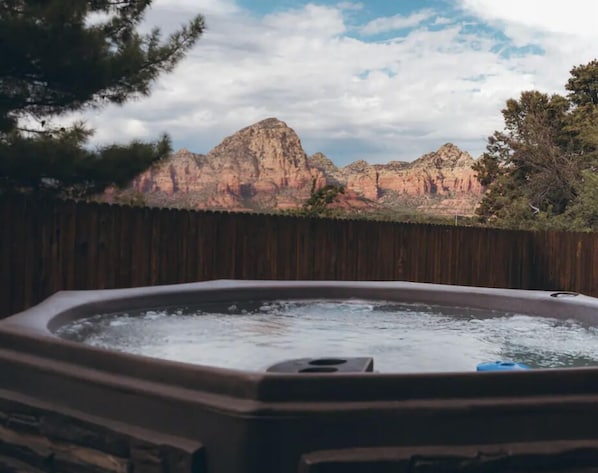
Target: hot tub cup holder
{"points": [[319, 369], [324, 365], [327, 361], [564, 294]]}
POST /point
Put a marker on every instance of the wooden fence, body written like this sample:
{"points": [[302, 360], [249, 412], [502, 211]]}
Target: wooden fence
{"points": [[47, 246]]}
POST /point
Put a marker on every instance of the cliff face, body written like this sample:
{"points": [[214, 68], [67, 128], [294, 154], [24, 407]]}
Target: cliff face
{"points": [[441, 182], [264, 167], [443, 172]]}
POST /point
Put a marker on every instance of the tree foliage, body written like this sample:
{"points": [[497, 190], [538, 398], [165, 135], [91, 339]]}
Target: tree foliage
{"points": [[60, 56], [320, 199], [536, 168]]}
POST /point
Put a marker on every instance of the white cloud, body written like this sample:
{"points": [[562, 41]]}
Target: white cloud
{"points": [[346, 97], [396, 22], [350, 6], [206, 7], [441, 20], [564, 31], [573, 17], [312, 20]]}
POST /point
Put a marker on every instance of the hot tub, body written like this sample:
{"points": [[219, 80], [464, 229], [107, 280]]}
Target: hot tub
{"points": [[96, 408]]}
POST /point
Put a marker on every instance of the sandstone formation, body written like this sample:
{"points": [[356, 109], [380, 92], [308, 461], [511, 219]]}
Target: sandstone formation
{"points": [[441, 182], [264, 167]]}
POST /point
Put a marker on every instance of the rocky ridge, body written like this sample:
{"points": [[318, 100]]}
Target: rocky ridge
{"points": [[264, 167]]}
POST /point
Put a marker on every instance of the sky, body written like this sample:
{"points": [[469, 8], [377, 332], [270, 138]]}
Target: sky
{"points": [[378, 80]]}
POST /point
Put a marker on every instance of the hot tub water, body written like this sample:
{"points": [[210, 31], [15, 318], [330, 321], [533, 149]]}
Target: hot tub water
{"points": [[401, 338]]}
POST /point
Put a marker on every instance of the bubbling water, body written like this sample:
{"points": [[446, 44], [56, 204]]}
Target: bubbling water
{"points": [[402, 338]]}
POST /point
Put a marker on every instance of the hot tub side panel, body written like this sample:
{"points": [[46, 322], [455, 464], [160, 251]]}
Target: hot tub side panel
{"points": [[289, 417]]}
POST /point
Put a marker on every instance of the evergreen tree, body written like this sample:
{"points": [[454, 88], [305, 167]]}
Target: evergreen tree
{"points": [[534, 169], [59, 56], [583, 85], [582, 122], [319, 201]]}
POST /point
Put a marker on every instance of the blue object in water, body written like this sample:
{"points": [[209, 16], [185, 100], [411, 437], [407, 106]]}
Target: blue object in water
{"points": [[502, 366]]}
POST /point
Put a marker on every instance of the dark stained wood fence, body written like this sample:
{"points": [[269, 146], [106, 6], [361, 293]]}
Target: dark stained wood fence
{"points": [[47, 246]]}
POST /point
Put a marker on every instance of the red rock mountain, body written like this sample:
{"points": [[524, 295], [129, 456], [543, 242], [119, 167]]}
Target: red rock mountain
{"points": [[264, 167]]}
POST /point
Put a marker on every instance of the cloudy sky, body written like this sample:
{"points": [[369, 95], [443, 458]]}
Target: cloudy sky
{"points": [[378, 80]]}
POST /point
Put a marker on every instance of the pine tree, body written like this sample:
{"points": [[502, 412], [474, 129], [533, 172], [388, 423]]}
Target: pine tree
{"points": [[537, 169], [319, 201], [60, 56], [583, 121]]}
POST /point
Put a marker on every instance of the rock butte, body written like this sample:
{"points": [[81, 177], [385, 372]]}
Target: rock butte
{"points": [[264, 167]]}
